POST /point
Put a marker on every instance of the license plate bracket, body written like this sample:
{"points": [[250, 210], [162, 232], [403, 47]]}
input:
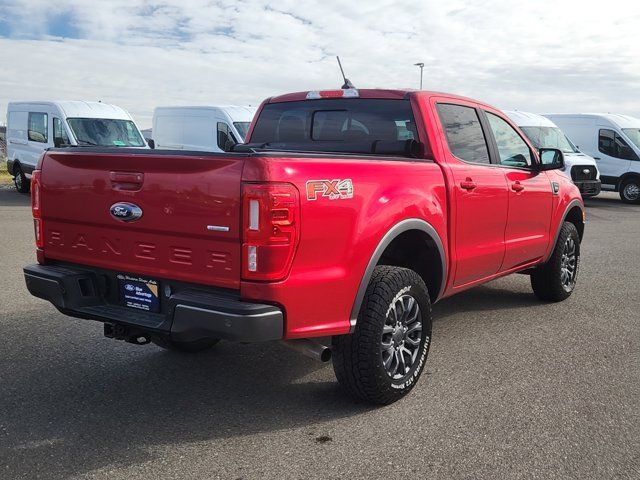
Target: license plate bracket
{"points": [[139, 293]]}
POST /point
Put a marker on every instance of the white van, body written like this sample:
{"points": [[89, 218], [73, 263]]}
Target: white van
{"points": [[614, 141], [33, 127], [209, 129], [542, 132]]}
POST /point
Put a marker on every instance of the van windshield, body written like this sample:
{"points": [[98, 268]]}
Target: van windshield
{"points": [[105, 132], [242, 128], [633, 134], [549, 137]]}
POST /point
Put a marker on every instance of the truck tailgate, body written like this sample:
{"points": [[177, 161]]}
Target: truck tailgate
{"points": [[189, 228]]}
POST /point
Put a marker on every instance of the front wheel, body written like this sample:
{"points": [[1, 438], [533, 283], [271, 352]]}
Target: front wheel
{"points": [[555, 280], [20, 180], [383, 358], [630, 191]]}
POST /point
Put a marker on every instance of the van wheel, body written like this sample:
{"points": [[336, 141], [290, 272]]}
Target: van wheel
{"points": [[383, 358], [555, 280], [185, 347], [630, 191], [19, 180]]}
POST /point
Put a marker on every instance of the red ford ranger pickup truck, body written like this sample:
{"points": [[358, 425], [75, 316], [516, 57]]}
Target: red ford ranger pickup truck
{"points": [[345, 215]]}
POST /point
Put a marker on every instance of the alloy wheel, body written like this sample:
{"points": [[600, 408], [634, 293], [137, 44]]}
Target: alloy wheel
{"points": [[569, 265], [401, 336]]}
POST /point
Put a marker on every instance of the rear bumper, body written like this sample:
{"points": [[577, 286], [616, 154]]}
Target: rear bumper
{"points": [[588, 188], [187, 315]]}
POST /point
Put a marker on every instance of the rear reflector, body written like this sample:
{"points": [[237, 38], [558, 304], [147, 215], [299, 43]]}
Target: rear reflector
{"points": [[271, 217], [344, 93]]}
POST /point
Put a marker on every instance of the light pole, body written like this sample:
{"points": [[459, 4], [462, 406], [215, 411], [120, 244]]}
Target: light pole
{"points": [[421, 65]]}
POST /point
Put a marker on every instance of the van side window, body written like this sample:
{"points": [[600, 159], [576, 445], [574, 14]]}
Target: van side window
{"points": [[37, 131], [464, 132], [513, 150], [59, 132], [225, 137], [613, 145]]}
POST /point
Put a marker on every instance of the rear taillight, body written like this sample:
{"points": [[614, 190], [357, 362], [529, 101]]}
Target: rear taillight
{"points": [[271, 228], [36, 208]]}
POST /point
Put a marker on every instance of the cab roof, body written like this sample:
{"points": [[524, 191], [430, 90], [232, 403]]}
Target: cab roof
{"points": [[528, 119], [79, 109], [620, 121], [381, 93], [237, 113]]}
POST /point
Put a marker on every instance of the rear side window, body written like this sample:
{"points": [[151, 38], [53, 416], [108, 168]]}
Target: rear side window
{"points": [[464, 132], [513, 150], [38, 131], [613, 145], [339, 125]]}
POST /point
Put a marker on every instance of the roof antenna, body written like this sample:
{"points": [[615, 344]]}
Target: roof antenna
{"points": [[347, 82]]}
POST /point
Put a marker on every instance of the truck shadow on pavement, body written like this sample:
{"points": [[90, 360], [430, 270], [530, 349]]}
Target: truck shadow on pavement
{"points": [[70, 410], [484, 298]]}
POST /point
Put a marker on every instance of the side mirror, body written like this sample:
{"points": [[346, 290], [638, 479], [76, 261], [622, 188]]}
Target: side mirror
{"points": [[550, 159], [151, 143]]}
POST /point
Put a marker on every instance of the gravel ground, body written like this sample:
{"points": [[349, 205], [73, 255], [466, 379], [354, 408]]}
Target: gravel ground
{"points": [[513, 388]]}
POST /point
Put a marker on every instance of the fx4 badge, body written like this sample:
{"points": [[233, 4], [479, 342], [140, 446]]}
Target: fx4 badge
{"points": [[331, 189]]}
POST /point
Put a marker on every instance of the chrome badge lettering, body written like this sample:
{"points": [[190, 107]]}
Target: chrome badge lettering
{"points": [[126, 212], [332, 189]]}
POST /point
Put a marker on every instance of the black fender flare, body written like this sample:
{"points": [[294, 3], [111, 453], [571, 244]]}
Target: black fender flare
{"points": [[392, 233], [572, 204]]}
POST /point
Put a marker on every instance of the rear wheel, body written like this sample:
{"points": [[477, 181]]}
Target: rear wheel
{"points": [[555, 280], [630, 191], [20, 180], [185, 347], [383, 358]]}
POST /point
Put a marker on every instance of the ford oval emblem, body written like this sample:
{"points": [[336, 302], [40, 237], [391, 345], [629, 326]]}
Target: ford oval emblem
{"points": [[127, 212], [586, 171]]}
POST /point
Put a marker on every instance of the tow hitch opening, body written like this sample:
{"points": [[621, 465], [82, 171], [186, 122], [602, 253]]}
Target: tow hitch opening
{"points": [[128, 334]]}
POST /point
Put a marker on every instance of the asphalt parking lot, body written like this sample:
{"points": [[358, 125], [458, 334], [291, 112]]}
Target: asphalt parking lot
{"points": [[513, 388]]}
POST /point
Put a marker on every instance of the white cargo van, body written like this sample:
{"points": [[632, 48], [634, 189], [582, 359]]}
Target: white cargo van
{"points": [[543, 133], [614, 141], [210, 129], [33, 127]]}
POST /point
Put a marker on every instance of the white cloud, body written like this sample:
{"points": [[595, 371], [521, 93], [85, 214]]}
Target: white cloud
{"points": [[539, 56]]}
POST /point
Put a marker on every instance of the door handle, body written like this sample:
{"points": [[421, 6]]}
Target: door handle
{"points": [[596, 158], [468, 184], [517, 187]]}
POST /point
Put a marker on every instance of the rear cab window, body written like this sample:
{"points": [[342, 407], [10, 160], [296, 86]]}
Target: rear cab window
{"points": [[342, 125]]}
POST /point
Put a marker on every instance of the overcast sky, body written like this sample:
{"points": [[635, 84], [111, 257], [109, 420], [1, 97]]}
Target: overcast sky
{"points": [[541, 56]]}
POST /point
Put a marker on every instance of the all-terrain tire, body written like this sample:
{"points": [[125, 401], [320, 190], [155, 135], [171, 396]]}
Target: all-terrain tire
{"points": [[185, 347], [549, 281], [362, 361]]}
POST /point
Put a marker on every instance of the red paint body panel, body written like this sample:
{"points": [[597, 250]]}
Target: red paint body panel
{"points": [[179, 195], [486, 232], [338, 237]]}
